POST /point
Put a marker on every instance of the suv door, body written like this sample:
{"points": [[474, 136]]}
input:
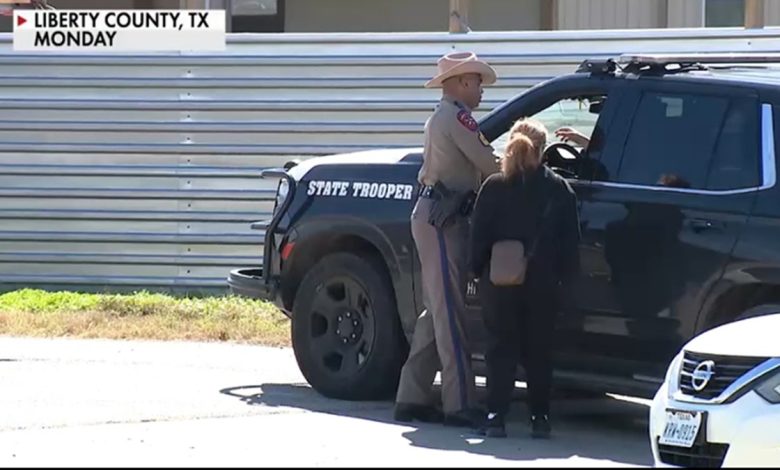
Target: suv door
{"points": [[587, 104], [678, 177]]}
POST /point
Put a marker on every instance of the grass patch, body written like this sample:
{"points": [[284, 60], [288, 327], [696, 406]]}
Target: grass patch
{"points": [[143, 315]]}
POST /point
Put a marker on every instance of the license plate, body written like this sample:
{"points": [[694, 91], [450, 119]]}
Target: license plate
{"points": [[681, 428]]}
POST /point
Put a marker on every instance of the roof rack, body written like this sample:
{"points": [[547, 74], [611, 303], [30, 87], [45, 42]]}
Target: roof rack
{"points": [[597, 67], [664, 64], [704, 57], [675, 63]]}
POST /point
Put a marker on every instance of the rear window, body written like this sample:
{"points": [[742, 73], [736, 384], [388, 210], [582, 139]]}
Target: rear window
{"points": [[693, 141], [736, 162]]}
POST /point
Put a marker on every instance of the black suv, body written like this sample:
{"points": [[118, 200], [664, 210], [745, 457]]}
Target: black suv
{"points": [[679, 210]]}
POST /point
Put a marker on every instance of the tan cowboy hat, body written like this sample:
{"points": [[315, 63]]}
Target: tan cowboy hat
{"points": [[459, 63]]}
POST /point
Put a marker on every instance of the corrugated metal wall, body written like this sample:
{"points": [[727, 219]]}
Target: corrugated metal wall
{"points": [[142, 171], [772, 12], [622, 14], [685, 13], [407, 15], [611, 14]]}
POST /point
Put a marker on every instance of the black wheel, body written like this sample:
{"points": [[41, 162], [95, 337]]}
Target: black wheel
{"points": [[346, 333]]}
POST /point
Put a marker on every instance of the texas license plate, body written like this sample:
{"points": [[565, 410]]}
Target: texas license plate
{"points": [[681, 428]]}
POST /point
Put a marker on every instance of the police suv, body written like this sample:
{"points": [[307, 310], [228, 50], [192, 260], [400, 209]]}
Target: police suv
{"points": [[679, 212]]}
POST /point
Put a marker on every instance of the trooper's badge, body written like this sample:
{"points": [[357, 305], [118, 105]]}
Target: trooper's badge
{"points": [[468, 121], [484, 140]]}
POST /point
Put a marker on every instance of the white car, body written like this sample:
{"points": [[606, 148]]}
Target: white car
{"points": [[719, 405]]}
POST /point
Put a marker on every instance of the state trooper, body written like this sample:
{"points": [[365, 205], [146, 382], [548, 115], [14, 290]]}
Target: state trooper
{"points": [[457, 158]]}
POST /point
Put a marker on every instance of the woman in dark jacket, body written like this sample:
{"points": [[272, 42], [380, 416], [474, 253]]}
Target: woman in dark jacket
{"points": [[526, 201]]}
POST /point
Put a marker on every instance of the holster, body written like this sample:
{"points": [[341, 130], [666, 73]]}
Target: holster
{"points": [[448, 205]]}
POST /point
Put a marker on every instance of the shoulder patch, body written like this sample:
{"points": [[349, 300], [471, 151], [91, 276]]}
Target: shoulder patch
{"points": [[467, 120]]}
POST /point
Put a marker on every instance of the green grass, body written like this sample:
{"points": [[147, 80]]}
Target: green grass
{"points": [[142, 315]]}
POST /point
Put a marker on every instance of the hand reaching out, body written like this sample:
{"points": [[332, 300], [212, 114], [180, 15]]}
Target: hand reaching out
{"points": [[567, 134]]}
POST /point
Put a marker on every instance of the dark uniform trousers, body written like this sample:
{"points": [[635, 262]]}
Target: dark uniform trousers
{"points": [[439, 341], [520, 321]]}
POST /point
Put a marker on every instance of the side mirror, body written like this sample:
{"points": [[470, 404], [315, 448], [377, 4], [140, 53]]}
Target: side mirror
{"points": [[596, 107]]}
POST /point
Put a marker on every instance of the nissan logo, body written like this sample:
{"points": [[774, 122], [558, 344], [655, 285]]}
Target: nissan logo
{"points": [[702, 374]]}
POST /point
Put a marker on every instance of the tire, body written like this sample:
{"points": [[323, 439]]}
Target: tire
{"points": [[348, 346]]}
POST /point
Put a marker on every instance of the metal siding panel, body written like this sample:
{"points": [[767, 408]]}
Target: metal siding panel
{"points": [[596, 14], [567, 11], [656, 14], [122, 171], [685, 13], [118, 161], [505, 15], [612, 14], [772, 12], [352, 15], [124, 228], [633, 13], [34, 248], [588, 14]]}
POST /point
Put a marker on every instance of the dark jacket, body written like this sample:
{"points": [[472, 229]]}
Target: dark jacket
{"points": [[513, 209]]}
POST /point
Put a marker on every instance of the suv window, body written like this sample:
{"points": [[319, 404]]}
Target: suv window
{"points": [[692, 141], [568, 112], [737, 163]]}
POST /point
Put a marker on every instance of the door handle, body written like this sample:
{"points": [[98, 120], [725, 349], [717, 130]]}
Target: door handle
{"points": [[700, 225]]}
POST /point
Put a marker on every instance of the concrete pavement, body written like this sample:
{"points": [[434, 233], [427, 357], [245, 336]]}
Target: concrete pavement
{"points": [[69, 403]]}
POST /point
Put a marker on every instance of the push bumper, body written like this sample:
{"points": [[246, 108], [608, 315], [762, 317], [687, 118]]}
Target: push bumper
{"points": [[256, 283], [249, 282]]}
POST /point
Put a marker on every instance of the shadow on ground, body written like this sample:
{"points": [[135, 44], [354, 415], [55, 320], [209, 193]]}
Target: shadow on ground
{"points": [[603, 428]]}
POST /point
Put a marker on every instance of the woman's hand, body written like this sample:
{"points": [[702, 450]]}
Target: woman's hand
{"points": [[567, 134]]}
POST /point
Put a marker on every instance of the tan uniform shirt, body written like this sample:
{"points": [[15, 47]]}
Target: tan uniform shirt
{"points": [[456, 153]]}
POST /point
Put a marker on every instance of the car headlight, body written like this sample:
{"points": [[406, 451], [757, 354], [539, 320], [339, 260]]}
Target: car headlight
{"points": [[769, 388], [281, 193], [673, 375]]}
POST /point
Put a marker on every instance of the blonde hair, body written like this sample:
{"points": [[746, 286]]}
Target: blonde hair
{"points": [[527, 140]]}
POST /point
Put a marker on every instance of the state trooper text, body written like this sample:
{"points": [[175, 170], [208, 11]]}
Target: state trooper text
{"points": [[360, 189]]}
